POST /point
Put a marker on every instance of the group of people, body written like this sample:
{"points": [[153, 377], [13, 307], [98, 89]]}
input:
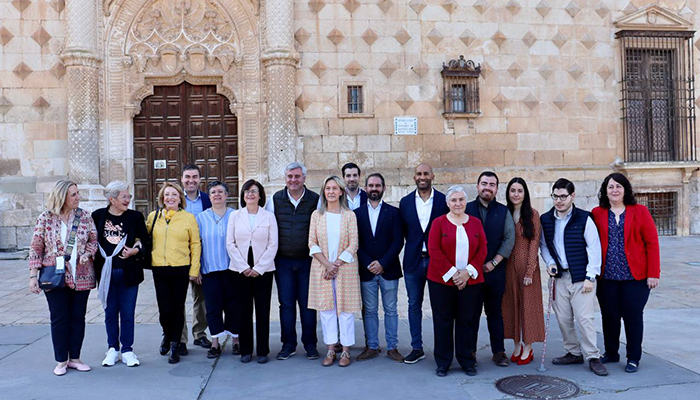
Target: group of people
{"points": [[335, 253]]}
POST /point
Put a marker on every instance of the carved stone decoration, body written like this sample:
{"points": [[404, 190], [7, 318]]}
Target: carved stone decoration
{"points": [[417, 5], [404, 101], [481, 6], [388, 68], [402, 36], [335, 36], [420, 69], [543, 8], [354, 68], [5, 36], [467, 37], [22, 70], [303, 102], [385, 5], [500, 101], [58, 5], [41, 105], [529, 39], [319, 68], [302, 36], [58, 70], [449, 5], [369, 36], [602, 10], [435, 36], [513, 6], [175, 35], [559, 40], [590, 102], [41, 36], [21, 5], [588, 41], [5, 105], [515, 70], [560, 101], [317, 5], [604, 72], [351, 5], [499, 38], [652, 17], [546, 71], [531, 101]]}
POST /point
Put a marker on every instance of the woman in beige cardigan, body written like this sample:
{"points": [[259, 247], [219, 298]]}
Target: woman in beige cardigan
{"points": [[334, 281]]}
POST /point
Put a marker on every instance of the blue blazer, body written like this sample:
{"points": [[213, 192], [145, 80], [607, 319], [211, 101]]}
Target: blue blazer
{"points": [[412, 232], [206, 203], [384, 246]]}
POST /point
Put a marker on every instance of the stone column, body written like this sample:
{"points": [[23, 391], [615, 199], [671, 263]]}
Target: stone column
{"points": [[81, 60], [280, 60]]}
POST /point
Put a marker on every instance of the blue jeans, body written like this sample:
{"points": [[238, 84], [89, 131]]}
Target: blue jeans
{"points": [[415, 287], [292, 277], [121, 305], [370, 300]]}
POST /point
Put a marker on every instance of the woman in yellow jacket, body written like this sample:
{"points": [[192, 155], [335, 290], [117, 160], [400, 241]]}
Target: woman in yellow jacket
{"points": [[175, 260]]}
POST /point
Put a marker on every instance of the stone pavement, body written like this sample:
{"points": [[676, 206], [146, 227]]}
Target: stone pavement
{"points": [[669, 369]]}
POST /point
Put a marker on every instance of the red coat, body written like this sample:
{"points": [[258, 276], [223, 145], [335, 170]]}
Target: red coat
{"points": [[442, 242], [641, 240]]}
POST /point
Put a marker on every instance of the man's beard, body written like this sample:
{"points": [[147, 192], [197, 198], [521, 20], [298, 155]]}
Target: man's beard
{"points": [[375, 196]]}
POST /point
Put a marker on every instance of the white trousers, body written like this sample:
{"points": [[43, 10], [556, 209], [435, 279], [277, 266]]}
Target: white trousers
{"points": [[330, 322]]}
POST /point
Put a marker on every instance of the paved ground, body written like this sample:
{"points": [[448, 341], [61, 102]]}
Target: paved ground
{"points": [[670, 367]]}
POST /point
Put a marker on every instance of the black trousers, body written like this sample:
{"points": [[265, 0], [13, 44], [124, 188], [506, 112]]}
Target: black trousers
{"points": [[220, 300], [623, 300], [171, 292], [67, 308], [492, 299], [255, 292], [453, 322]]}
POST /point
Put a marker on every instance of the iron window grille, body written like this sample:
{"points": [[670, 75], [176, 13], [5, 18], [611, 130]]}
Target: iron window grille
{"points": [[461, 87], [663, 208], [355, 103], [657, 98]]}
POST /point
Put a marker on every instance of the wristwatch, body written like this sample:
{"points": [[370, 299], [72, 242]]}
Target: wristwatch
{"points": [[588, 278], [494, 263]]}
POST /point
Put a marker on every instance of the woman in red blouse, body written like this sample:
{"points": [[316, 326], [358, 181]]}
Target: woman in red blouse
{"points": [[457, 247]]}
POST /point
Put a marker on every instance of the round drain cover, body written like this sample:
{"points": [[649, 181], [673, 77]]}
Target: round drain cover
{"points": [[537, 387]]}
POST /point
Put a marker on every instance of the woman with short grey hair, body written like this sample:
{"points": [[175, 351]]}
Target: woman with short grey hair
{"points": [[123, 243]]}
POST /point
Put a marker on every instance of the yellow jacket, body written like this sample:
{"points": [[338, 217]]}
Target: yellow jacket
{"points": [[176, 243]]}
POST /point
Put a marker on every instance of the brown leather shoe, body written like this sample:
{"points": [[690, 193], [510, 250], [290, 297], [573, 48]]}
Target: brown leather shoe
{"points": [[597, 367], [500, 359], [367, 354], [344, 359], [395, 355], [329, 359], [568, 359]]}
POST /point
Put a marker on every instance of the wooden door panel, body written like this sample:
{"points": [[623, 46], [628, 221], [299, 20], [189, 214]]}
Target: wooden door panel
{"points": [[230, 128]]}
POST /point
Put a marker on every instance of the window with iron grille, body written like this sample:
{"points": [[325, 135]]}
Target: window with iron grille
{"points": [[355, 104], [657, 86], [663, 208], [461, 87]]}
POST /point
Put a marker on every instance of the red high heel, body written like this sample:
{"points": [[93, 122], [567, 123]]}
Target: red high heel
{"points": [[514, 357], [528, 360]]}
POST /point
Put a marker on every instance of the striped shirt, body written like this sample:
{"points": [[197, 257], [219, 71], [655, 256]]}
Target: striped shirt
{"points": [[212, 230]]}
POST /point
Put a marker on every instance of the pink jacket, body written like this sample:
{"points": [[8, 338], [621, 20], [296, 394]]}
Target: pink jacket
{"points": [[263, 239]]}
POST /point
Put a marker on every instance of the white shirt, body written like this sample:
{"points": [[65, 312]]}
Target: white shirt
{"points": [[374, 215], [333, 236], [251, 220], [593, 250], [354, 204], [461, 249], [424, 208], [65, 235]]}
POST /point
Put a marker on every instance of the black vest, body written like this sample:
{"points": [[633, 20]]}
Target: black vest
{"points": [[493, 226], [293, 223], [574, 241]]}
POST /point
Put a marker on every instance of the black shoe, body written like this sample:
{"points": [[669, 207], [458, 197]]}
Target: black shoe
{"points": [[597, 367], [500, 359], [607, 359], [164, 347], [441, 372], [245, 359], [182, 349], [286, 352], [202, 342], [471, 371], [632, 367], [568, 359], [312, 354], [214, 352], [236, 349], [174, 353], [415, 356], [262, 359]]}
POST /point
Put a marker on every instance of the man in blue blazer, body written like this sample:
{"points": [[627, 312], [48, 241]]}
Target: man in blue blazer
{"points": [[418, 209], [380, 242], [351, 176]]}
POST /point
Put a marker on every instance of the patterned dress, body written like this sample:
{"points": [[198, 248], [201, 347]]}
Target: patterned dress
{"points": [[523, 316]]}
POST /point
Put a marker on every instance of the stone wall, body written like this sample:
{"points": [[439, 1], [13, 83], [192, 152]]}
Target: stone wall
{"points": [[33, 134]]}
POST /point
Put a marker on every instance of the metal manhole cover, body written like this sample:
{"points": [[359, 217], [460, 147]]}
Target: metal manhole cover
{"points": [[537, 387]]}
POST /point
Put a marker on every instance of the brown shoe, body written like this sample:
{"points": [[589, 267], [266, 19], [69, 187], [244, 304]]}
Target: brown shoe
{"points": [[395, 355], [329, 359], [500, 359], [367, 354], [597, 367], [344, 359], [568, 359]]}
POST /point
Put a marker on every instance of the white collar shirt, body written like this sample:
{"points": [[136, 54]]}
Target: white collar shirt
{"points": [[374, 215], [424, 209]]}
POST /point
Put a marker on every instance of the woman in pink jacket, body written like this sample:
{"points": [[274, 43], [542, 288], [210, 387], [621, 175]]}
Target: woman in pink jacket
{"points": [[251, 241]]}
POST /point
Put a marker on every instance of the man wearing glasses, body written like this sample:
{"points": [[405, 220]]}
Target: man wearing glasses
{"points": [[570, 248]]}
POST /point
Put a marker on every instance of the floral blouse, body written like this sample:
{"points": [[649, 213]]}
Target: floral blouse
{"points": [[616, 266]]}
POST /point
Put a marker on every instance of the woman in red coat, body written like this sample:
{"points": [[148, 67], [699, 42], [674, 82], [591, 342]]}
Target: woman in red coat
{"points": [[630, 269], [457, 248]]}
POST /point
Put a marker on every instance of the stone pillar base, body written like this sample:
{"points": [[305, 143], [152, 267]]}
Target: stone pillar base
{"points": [[92, 197]]}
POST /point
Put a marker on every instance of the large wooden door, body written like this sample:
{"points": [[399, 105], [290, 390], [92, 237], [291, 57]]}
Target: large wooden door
{"points": [[179, 125]]}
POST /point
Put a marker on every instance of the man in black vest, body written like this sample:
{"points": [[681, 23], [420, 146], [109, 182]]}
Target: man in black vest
{"points": [[293, 207], [500, 237], [570, 248]]}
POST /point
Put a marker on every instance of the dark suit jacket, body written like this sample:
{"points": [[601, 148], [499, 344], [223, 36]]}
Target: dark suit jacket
{"points": [[206, 203], [384, 246], [412, 231], [363, 198]]}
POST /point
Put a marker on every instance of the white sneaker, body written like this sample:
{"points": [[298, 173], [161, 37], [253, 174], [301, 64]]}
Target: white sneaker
{"points": [[130, 359], [111, 357]]}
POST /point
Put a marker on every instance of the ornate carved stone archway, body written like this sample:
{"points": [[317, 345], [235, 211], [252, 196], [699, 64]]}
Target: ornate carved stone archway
{"points": [[166, 42]]}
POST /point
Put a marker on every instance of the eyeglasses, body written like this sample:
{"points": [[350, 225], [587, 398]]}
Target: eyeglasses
{"points": [[252, 191], [125, 197], [562, 197]]}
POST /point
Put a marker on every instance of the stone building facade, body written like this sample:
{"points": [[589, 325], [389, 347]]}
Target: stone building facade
{"points": [[88, 90]]}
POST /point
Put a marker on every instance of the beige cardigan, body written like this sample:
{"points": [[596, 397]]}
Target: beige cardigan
{"points": [[263, 238]]}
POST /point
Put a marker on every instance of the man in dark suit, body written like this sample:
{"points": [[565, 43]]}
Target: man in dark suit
{"points": [[418, 209], [351, 176], [381, 240]]}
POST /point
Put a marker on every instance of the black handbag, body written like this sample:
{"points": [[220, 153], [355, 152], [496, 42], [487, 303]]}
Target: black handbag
{"points": [[144, 255], [49, 278]]}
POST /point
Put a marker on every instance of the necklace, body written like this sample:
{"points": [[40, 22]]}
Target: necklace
{"points": [[217, 220]]}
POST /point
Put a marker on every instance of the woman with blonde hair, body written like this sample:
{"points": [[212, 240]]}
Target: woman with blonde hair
{"points": [[175, 258], [334, 281], [65, 241]]}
